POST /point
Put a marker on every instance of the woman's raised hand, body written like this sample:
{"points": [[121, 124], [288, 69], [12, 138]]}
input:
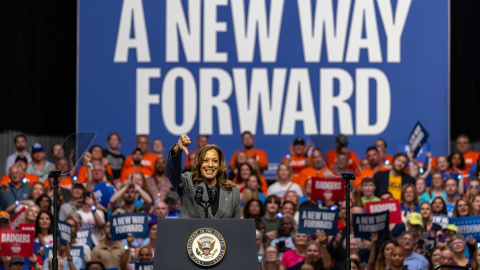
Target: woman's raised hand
{"points": [[183, 142]]}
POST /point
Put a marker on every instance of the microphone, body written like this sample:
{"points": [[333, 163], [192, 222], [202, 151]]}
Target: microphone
{"points": [[213, 194], [199, 194]]}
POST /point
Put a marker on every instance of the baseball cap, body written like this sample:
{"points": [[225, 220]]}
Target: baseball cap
{"points": [[16, 260], [415, 218], [451, 227], [37, 147], [5, 215], [298, 141]]}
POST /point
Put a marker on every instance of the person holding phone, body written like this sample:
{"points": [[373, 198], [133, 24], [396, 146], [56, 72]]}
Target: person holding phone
{"points": [[91, 218]]}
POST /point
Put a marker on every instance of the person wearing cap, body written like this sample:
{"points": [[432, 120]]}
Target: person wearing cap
{"points": [[4, 220], [341, 142], [414, 223], [413, 260], [17, 263], [148, 159], [20, 142], [75, 203], [40, 166], [248, 142], [298, 160], [16, 191]]}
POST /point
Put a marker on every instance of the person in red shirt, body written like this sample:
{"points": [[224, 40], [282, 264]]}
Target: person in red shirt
{"points": [[381, 145], [341, 141], [463, 146], [298, 161], [202, 140], [148, 160], [248, 144]]}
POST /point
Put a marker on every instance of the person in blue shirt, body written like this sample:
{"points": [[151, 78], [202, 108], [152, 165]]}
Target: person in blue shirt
{"points": [[413, 260]]}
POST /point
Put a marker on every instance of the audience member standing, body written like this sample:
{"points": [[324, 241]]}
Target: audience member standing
{"points": [[20, 142]]}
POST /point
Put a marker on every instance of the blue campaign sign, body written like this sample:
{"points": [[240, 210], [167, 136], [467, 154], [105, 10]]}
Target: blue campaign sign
{"points": [[312, 220], [467, 226], [103, 192], [124, 224], [77, 251], [65, 232], [417, 138], [144, 266], [441, 220], [366, 224], [85, 237], [277, 68]]}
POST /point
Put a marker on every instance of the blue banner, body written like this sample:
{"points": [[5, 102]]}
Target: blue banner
{"points": [[77, 251], [418, 137], [441, 220], [277, 68], [467, 226], [103, 192], [144, 266], [123, 225], [85, 237], [65, 232], [366, 224], [312, 220]]}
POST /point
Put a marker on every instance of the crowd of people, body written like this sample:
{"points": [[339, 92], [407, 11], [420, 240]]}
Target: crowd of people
{"points": [[106, 183]]}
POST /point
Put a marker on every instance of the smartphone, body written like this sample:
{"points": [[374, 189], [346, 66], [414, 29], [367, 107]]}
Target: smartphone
{"points": [[86, 194], [281, 245], [441, 238]]}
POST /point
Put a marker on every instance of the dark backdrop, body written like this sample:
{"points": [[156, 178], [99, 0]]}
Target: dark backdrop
{"points": [[38, 74]]}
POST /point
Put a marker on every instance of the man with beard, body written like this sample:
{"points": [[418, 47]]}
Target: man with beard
{"points": [[108, 251], [136, 165], [413, 260], [248, 144], [374, 165], [158, 184], [20, 142], [393, 180], [127, 205], [39, 165]]}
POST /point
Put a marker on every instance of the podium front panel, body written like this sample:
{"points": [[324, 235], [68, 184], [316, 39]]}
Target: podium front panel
{"points": [[173, 237]]}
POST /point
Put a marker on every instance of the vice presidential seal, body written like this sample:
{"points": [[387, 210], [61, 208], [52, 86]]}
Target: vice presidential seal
{"points": [[206, 247]]}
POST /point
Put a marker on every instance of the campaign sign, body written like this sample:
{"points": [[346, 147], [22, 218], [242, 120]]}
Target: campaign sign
{"points": [[467, 226], [16, 219], [417, 138], [277, 68], [441, 220], [16, 243], [65, 232], [27, 227], [144, 266], [312, 220], [393, 206], [103, 192], [366, 224], [77, 251], [125, 224], [324, 189], [85, 237]]}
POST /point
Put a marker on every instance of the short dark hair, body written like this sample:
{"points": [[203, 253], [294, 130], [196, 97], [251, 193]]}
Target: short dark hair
{"points": [[95, 145], [368, 180], [399, 154], [19, 136], [276, 200], [137, 149], [372, 148], [114, 134], [384, 142], [247, 132]]}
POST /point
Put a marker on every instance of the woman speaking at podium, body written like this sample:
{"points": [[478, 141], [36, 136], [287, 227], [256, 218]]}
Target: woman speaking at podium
{"points": [[205, 192]]}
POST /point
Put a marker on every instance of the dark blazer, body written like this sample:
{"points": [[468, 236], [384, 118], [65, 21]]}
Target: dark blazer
{"points": [[382, 178], [229, 201]]}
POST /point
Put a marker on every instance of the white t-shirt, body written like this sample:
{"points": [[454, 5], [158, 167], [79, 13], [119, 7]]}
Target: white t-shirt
{"points": [[88, 221], [279, 190]]}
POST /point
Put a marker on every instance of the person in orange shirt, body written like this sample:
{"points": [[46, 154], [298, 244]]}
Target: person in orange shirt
{"points": [[318, 168], [298, 161], [463, 146], [341, 142], [148, 160], [202, 140], [64, 181], [381, 145], [21, 162], [248, 143], [95, 154], [375, 165], [137, 157]]}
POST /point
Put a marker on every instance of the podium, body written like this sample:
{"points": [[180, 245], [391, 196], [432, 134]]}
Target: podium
{"points": [[205, 244]]}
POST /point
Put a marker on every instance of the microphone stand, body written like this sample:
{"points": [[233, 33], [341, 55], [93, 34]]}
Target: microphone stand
{"points": [[347, 177], [55, 175], [203, 204]]}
